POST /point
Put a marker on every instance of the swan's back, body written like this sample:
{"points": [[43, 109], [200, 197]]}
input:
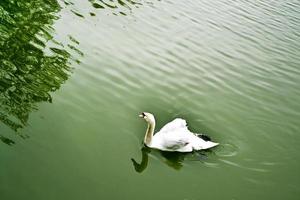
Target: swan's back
{"points": [[176, 124], [175, 136]]}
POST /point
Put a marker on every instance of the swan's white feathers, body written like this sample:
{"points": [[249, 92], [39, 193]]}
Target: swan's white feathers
{"points": [[177, 123], [175, 136]]}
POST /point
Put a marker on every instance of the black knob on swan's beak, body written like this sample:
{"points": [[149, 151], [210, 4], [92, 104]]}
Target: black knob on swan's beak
{"points": [[142, 115]]}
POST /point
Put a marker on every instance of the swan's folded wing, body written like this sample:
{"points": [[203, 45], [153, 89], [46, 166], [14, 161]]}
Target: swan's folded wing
{"points": [[175, 144], [174, 125]]}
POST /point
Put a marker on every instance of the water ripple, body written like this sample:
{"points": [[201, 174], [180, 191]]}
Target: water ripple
{"points": [[230, 67]]}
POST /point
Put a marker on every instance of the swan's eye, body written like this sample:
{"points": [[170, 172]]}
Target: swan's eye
{"points": [[143, 115]]}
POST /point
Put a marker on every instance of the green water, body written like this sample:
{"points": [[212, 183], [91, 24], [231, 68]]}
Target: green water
{"points": [[74, 75]]}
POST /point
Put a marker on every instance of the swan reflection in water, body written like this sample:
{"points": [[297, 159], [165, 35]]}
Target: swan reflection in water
{"points": [[172, 159]]}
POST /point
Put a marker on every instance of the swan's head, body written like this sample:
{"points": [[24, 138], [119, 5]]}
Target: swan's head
{"points": [[148, 117]]}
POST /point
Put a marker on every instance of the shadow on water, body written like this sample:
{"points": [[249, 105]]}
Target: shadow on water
{"points": [[172, 159], [30, 68]]}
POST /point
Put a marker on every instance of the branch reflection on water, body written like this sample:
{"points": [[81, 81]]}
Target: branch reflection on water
{"points": [[172, 159], [118, 7], [28, 74]]}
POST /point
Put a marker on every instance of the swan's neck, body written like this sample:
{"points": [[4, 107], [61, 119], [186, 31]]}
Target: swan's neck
{"points": [[149, 133]]}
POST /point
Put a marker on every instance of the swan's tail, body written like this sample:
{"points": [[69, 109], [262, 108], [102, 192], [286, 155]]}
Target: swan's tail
{"points": [[203, 142], [206, 142], [209, 144]]}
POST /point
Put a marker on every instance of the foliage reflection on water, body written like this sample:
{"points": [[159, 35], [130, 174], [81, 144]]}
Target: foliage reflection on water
{"points": [[115, 7], [30, 68]]}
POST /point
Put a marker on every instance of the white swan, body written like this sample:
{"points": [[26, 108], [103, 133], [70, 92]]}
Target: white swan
{"points": [[174, 136]]}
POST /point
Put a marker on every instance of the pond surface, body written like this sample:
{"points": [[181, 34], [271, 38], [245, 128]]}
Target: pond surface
{"points": [[75, 75]]}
